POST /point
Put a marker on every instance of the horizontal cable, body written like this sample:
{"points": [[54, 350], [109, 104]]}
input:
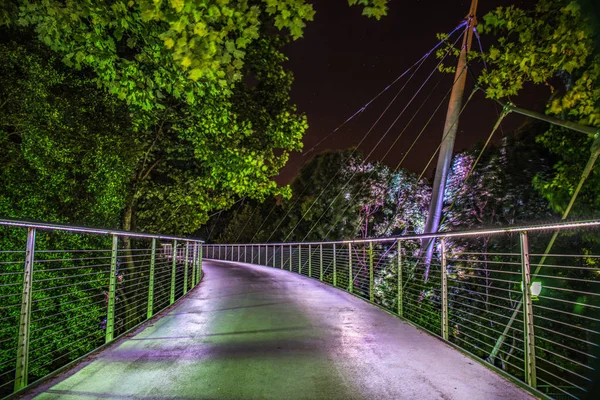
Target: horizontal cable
{"points": [[565, 346], [566, 313], [556, 387]]}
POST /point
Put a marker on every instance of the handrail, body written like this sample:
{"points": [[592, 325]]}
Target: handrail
{"points": [[449, 234], [82, 229]]}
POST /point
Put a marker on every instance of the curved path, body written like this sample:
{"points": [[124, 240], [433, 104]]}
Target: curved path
{"points": [[251, 332]]}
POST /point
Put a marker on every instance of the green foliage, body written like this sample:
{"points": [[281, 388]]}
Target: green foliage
{"points": [[331, 191], [89, 156], [336, 195], [64, 323], [143, 50], [372, 8], [63, 152], [499, 191], [553, 45]]}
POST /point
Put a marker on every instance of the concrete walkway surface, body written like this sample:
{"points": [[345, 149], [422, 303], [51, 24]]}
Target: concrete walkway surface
{"points": [[251, 332]]}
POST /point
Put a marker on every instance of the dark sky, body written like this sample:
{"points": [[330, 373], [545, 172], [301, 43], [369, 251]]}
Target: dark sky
{"points": [[345, 59]]}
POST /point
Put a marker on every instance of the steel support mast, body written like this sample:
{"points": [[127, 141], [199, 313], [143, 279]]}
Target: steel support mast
{"points": [[450, 127]]}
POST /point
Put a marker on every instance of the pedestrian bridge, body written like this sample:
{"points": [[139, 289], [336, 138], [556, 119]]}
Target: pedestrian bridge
{"points": [[251, 332], [140, 316]]}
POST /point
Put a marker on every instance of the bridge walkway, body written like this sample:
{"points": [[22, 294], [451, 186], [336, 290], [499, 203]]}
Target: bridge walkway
{"points": [[252, 332]]}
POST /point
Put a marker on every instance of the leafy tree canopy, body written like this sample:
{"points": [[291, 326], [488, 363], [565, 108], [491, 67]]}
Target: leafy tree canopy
{"points": [[144, 50], [552, 45], [206, 116]]}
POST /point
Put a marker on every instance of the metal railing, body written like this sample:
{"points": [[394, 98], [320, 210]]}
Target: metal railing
{"points": [[531, 310], [66, 291]]}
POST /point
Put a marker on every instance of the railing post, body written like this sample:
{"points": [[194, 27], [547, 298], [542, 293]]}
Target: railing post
{"points": [[22, 369], [173, 271], [400, 309], [251, 254], [350, 277], [321, 262], [151, 280], [185, 268], [371, 281], [267, 255], [239, 250], [281, 265], [310, 260], [528, 331], [245, 253], [291, 257], [444, 289], [334, 268], [300, 259], [219, 253], [199, 269], [258, 252], [110, 314], [194, 263]]}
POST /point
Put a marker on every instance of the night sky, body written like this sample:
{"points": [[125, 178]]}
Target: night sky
{"points": [[345, 59]]}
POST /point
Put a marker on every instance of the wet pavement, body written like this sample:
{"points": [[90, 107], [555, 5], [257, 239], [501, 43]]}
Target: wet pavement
{"points": [[251, 332]]}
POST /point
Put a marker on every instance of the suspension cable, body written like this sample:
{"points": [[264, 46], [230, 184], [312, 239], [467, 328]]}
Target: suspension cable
{"points": [[417, 64], [503, 114], [435, 152], [350, 156], [363, 108], [408, 152], [379, 142]]}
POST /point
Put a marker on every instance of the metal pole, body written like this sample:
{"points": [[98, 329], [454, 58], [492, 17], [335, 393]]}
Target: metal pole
{"points": [[399, 259], [310, 260], [300, 259], [194, 262], [350, 277], [290, 258], [281, 265], [239, 250], [334, 268], [185, 269], [528, 331], [258, 251], [199, 274], [444, 289], [245, 253], [173, 270], [449, 135], [252, 254], [22, 369], [321, 262], [151, 280], [588, 130], [110, 315], [199, 270], [371, 284]]}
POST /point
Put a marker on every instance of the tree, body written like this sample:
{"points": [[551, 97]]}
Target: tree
{"points": [[552, 46], [499, 191], [331, 192], [194, 78], [64, 145], [406, 205]]}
